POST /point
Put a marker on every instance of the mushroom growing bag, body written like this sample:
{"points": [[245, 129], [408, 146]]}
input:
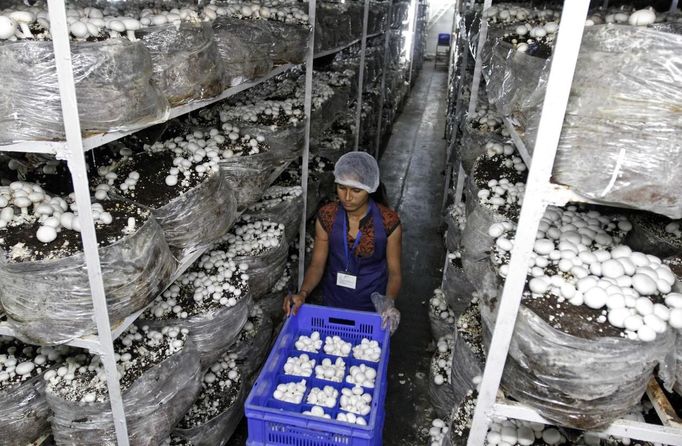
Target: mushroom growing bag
{"points": [[153, 404], [244, 48], [288, 212], [581, 383], [253, 345], [619, 143], [49, 302], [265, 268], [185, 59], [218, 430], [24, 413], [213, 332], [247, 176], [113, 85]]}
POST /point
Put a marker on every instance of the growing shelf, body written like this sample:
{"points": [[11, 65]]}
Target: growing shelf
{"points": [[348, 45]]}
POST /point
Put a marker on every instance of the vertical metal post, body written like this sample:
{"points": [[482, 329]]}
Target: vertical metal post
{"points": [[534, 204], [605, 4], [475, 84], [413, 32], [307, 108], [380, 120], [673, 5], [361, 77], [76, 160]]}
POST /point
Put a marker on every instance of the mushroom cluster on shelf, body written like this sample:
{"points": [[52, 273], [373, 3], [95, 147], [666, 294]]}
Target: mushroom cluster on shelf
{"points": [[276, 195], [278, 10], [81, 377], [252, 237], [215, 282], [438, 307], [21, 362], [577, 258], [441, 362]]}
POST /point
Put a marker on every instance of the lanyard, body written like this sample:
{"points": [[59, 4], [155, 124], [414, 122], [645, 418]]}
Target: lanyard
{"points": [[345, 240]]}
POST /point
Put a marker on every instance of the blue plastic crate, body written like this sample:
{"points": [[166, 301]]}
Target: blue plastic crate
{"points": [[272, 422]]}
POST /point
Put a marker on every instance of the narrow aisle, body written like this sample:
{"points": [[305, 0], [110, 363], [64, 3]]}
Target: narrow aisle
{"points": [[412, 168]]}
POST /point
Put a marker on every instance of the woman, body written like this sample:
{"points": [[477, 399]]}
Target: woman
{"points": [[357, 245]]}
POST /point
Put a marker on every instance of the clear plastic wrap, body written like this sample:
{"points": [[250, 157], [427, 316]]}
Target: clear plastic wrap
{"points": [[439, 327], [325, 115], [212, 333], [49, 302], [476, 242], [576, 382], [332, 26], [218, 430], [200, 216], [153, 404], [442, 396], [24, 413], [187, 65], [113, 85], [457, 288], [265, 269], [286, 143], [618, 143], [291, 42], [252, 347], [244, 48], [247, 177], [472, 145], [678, 366], [465, 367]]}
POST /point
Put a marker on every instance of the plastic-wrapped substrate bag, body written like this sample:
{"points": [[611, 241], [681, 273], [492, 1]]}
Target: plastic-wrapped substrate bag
{"points": [[244, 47], [581, 383], [214, 332], [465, 367], [24, 413], [153, 404], [288, 211], [247, 176], [265, 268], [113, 86], [649, 235], [441, 392], [187, 66], [456, 287], [253, 343], [291, 42], [678, 366], [49, 302], [286, 142]]}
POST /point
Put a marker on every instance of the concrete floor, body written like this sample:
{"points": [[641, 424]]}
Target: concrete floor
{"points": [[412, 169]]}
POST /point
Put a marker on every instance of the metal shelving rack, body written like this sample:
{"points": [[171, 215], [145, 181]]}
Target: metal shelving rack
{"points": [[73, 149], [540, 193]]}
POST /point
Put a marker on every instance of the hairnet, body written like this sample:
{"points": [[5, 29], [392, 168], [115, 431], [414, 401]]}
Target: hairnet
{"points": [[357, 169]]}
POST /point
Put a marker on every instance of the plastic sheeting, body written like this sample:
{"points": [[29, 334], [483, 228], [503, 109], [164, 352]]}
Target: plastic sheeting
{"points": [[213, 332], [465, 367], [581, 383], [153, 404], [265, 268], [247, 176], [113, 85], [252, 347], [618, 143], [187, 66], [244, 48], [678, 367], [477, 243], [332, 26], [24, 413], [200, 216], [325, 115], [286, 142], [457, 289], [442, 396], [439, 327], [49, 302], [218, 430], [472, 145]]}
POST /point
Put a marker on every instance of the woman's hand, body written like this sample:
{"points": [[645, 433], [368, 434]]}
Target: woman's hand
{"points": [[292, 303]]}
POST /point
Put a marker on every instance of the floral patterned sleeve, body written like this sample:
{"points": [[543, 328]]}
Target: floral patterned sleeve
{"points": [[391, 219], [326, 216]]}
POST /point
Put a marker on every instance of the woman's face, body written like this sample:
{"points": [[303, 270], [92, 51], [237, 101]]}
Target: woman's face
{"points": [[351, 198]]}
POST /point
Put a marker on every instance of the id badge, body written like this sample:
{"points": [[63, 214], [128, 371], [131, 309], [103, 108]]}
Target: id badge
{"points": [[346, 280]]}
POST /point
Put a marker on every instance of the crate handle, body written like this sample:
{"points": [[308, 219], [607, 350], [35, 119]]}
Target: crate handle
{"points": [[336, 320]]}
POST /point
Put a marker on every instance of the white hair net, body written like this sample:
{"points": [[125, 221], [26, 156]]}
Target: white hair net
{"points": [[357, 169]]}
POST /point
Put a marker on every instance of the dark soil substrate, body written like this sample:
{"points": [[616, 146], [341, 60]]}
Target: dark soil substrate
{"points": [[472, 334], [22, 353], [69, 242], [151, 190], [491, 168]]}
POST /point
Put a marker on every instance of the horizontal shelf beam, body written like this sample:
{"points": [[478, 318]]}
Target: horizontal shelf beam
{"points": [[619, 428]]}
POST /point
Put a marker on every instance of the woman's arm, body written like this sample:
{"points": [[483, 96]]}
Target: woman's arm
{"points": [[393, 255], [315, 271]]}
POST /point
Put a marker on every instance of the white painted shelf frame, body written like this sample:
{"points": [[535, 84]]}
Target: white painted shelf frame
{"points": [[540, 193], [73, 149]]}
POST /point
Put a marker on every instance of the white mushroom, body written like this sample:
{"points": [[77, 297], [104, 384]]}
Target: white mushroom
{"points": [[7, 27], [115, 28], [643, 17], [23, 18], [79, 30], [131, 26]]}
